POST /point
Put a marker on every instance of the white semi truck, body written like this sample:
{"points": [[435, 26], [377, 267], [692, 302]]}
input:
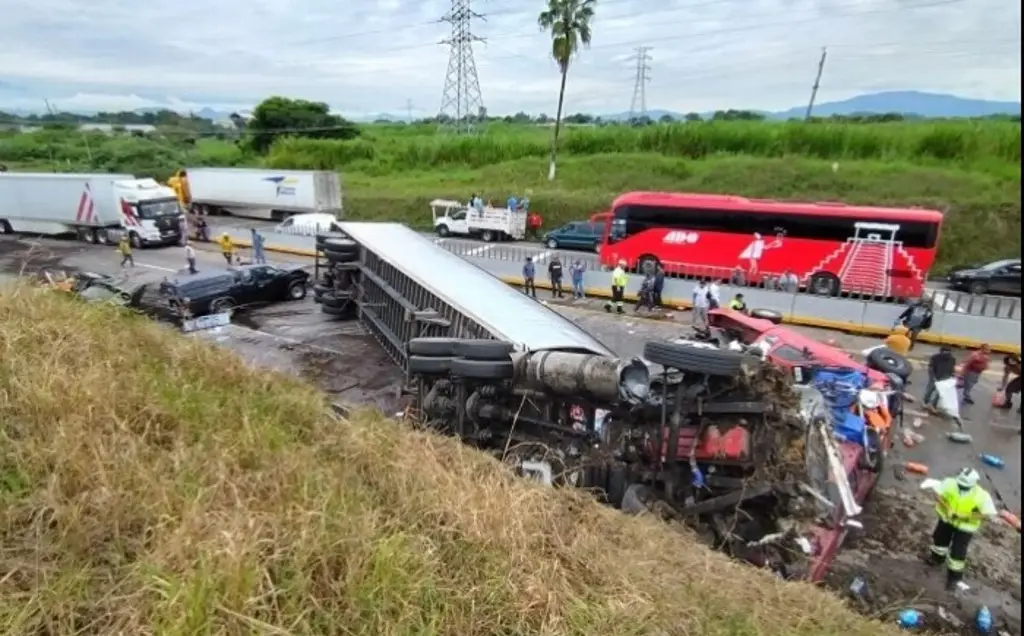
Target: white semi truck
{"points": [[96, 208], [264, 194]]}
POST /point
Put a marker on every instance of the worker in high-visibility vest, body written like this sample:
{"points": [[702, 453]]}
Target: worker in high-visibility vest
{"points": [[179, 183], [962, 506], [619, 281]]}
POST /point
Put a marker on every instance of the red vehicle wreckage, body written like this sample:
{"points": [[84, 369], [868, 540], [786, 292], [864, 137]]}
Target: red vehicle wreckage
{"points": [[762, 440]]}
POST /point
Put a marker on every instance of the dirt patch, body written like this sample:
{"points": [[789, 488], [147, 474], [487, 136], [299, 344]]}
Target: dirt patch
{"points": [[889, 555]]}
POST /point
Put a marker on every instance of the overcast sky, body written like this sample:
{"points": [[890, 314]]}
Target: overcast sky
{"points": [[377, 56]]}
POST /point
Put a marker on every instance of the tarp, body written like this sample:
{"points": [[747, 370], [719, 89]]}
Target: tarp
{"points": [[841, 388]]}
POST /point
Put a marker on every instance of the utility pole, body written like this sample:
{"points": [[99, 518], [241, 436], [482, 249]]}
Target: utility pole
{"points": [[817, 82], [408, 110], [638, 106], [461, 102]]}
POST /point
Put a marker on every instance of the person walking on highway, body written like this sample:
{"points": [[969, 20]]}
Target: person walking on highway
{"points": [[124, 248], [227, 248], [962, 506], [941, 366], [916, 318], [555, 273], [619, 281], [576, 272], [659, 285], [258, 243], [976, 364], [529, 277], [533, 224], [714, 295], [701, 304], [1010, 386], [190, 258]]}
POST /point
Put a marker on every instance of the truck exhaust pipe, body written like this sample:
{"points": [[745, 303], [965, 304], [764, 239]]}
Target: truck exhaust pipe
{"points": [[600, 378]]}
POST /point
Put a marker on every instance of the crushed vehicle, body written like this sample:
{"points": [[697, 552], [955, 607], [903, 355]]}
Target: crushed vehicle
{"points": [[220, 290], [769, 463], [95, 288]]}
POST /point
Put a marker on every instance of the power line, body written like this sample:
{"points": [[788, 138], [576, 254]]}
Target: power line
{"points": [[461, 101], [640, 84]]}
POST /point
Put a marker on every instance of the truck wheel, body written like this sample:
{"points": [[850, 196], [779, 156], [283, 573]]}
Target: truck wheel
{"points": [[87, 235], [493, 350], [5, 227], [886, 360], [221, 304], [433, 347], [696, 360], [487, 236], [422, 365], [770, 315], [824, 284], [482, 369], [443, 231], [135, 240]]}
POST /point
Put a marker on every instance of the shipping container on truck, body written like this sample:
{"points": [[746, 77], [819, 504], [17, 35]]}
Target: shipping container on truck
{"points": [[264, 194], [96, 208]]}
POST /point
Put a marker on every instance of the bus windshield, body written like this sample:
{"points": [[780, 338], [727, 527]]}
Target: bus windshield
{"points": [[827, 247]]}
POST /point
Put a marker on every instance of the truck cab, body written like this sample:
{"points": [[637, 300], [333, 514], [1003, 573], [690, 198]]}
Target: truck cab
{"points": [[150, 212], [452, 218]]}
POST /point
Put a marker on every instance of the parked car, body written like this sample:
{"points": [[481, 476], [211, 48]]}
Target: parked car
{"points": [[221, 290], [997, 277], [578, 235]]}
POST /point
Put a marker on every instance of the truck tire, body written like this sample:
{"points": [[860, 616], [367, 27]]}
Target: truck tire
{"points": [[696, 360], [347, 311], [334, 299], [482, 369], [770, 315], [335, 257], [494, 350], [443, 231], [320, 289], [224, 303], [886, 360], [423, 365], [337, 243], [433, 347], [5, 227], [135, 240]]}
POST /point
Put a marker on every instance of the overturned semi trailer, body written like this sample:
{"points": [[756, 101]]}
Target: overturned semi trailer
{"points": [[716, 439]]}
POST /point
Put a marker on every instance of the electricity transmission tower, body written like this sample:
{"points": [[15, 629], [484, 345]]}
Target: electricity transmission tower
{"points": [[638, 107], [461, 102]]}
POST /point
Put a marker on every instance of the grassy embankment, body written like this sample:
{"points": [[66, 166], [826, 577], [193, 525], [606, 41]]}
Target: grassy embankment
{"points": [[971, 170], [150, 484]]}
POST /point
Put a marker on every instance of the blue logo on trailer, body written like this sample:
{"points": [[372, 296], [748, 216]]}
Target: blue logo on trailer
{"points": [[285, 185]]}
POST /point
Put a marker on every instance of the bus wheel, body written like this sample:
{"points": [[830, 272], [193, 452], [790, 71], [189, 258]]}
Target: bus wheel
{"points": [[647, 263], [824, 284]]}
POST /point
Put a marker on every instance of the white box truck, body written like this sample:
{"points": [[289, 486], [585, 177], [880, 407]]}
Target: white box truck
{"points": [[452, 218], [264, 194], [97, 208]]}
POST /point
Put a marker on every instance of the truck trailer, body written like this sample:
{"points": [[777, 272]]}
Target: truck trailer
{"points": [[96, 208], [263, 194]]}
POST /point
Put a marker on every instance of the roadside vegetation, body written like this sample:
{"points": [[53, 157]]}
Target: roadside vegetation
{"points": [[969, 169], [153, 484]]}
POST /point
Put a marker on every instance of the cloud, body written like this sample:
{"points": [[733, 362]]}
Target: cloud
{"points": [[374, 57]]}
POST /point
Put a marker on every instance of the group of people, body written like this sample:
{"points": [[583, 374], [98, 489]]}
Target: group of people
{"points": [[228, 250], [534, 221], [944, 367], [556, 276]]}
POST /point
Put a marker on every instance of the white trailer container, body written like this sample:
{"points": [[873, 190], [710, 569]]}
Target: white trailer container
{"points": [[452, 218], [264, 194], [97, 208]]}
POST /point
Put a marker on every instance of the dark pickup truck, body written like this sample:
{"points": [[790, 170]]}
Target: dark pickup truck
{"points": [[221, 290]]}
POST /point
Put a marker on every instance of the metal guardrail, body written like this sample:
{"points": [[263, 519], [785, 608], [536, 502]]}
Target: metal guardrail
{"points": [[943, 300]]}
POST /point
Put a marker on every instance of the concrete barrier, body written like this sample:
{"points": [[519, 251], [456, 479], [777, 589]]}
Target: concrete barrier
{"points": [[859, 316]]}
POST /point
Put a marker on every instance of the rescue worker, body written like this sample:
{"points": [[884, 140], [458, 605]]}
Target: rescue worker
{"points": [[619, 281], [124, 248], [555, 274], [962, 506], [916, 318], [258, 242], [529, 277], [227, 248], [179, 183], [738, 304]]}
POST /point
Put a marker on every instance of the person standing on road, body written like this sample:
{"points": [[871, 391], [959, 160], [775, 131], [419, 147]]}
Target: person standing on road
{"points": [[190, 258], [619, 281], [227, 248], [701, 304], [529, 277], [555, 274], [1010, 386], [533, 224], [576, 272], [962, 506], [659, 284], [941, 366], [714, 295], [124, 248], [976, 364], [738, 304], [916, 318], [258, 243]]}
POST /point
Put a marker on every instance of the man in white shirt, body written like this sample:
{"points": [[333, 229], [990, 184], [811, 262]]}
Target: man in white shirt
{"points": [[715, 293], [190, 257], [701, 304]]}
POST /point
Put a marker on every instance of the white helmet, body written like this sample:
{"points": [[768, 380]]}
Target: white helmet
{"points": [[870, 399], [968, 478]]}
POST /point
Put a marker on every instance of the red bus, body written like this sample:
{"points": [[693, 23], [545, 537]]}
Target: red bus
{"points": [[829, 247]]}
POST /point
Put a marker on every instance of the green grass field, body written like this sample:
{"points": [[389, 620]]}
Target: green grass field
{"points": [[185, 493], [969, 169]]}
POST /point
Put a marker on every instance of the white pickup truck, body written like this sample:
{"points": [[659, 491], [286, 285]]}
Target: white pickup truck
{"points": [[452, 218]]}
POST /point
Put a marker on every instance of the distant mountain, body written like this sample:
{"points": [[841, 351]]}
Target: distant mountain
{"points": [[908, 103]]}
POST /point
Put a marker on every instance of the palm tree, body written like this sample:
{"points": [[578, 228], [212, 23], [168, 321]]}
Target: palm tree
{"points": [[569, 24]]}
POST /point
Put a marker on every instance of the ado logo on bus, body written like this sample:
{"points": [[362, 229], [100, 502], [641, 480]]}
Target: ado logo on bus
{"points": [[681, 237]]}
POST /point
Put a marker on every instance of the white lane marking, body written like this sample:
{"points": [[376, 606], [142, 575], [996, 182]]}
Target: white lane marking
{"points": [[162, 269], [477, 251]]}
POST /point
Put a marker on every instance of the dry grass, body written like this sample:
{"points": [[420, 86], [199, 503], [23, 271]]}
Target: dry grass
{"points": [[153, 485]]}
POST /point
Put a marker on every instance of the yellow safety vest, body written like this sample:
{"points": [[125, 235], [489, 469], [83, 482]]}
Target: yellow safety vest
{"points": [[619, 277], [737, 305], [962, 510]]}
